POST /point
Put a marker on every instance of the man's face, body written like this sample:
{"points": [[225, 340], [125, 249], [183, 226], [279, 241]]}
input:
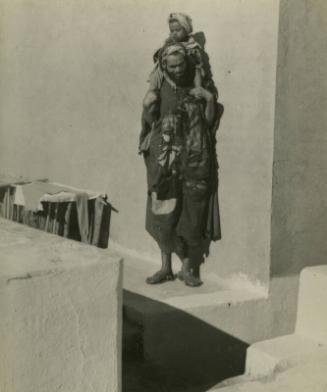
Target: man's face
{"points": [[176, 67]]}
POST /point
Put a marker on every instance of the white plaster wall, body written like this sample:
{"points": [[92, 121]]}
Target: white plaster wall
{"points": [[299, 219], [73, 75], [61, 314]]}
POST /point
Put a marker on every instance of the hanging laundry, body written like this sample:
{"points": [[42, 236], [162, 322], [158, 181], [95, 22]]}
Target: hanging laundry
{"points": [[58, 209]]}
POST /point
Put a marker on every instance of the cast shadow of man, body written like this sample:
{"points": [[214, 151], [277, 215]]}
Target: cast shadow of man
{"points": [[200, 38]]}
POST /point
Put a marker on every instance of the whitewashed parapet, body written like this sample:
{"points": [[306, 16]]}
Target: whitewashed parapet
{"points": [[60, 304]]}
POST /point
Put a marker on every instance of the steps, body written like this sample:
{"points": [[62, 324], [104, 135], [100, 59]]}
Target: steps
{"points": [[310, 337], [309, 377], [267, 357], [204, 331], [214, 303], [195, 335], [184, 329], [312, 304], [306, 348]]}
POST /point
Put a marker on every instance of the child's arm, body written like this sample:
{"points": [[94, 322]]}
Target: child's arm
{"points": [[197, 77]]}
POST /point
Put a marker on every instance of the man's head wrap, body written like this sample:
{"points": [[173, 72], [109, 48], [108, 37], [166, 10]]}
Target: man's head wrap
{"points": [[184, 20], [172, 49]]}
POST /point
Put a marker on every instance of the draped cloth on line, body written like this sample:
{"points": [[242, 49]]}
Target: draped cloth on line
{"points": [[58, 209]]}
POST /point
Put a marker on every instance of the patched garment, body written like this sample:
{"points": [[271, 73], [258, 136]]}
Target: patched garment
{"points": [[179, 159], [183, 152]]}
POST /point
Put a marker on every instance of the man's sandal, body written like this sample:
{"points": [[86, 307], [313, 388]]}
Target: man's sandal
{"points": [[160, 277], [191, 280]]}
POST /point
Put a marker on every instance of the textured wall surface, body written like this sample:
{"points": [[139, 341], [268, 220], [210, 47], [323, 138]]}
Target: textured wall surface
{"points": [[60, 325], [299, 219], [73, 74]]}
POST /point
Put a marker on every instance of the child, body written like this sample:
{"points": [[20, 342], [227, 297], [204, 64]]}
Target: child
{"points": [[180, 26]]}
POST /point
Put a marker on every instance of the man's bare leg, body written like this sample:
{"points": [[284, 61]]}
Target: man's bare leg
{"points": [[165, 273]]}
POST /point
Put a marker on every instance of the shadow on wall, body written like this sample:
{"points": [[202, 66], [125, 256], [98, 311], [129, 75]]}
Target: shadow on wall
{"points": [[285, 265], [208, 82], [200, 38], [299, 214], [176, 351], [215, 214]]}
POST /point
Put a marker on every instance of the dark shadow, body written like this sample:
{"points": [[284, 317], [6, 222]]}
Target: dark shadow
{"points": [[200, 38], [175, 351], [296, 244], [220, 112], [215, 186], [299, 212], [284, 263]]}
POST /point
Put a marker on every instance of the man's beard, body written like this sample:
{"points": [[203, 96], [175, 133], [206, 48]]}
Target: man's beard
{"points": [[180, 79]]}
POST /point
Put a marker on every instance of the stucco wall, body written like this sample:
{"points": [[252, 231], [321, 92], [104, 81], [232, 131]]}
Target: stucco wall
{"points": [[72, 80], [299, 220], [61, 313]]}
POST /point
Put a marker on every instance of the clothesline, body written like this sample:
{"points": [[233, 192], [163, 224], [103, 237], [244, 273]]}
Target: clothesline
{"points": [[57, 208]]}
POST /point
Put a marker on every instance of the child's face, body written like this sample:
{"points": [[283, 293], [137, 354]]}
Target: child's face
{"points": [[177, 32]]}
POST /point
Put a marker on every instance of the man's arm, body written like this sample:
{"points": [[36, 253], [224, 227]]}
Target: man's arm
{"points": [[210, 108], [200, 92]]}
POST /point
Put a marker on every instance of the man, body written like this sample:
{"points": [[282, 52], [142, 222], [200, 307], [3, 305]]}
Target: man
{"points": [[178, 143]]}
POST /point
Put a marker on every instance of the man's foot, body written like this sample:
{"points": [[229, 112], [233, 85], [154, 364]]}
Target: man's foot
{"points": [[191, 280], [160, 277]]}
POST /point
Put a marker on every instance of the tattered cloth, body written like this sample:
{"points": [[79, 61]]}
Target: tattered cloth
{"points": [[179, 152]]}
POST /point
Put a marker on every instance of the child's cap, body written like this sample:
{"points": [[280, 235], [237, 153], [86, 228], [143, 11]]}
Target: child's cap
{"points": [[184, 20]]}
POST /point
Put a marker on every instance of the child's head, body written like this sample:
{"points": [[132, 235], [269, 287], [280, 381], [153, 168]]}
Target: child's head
{"points": [[180, 26]]}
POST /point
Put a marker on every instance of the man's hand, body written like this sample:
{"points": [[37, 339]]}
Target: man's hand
{"points": [[201, 93]]}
